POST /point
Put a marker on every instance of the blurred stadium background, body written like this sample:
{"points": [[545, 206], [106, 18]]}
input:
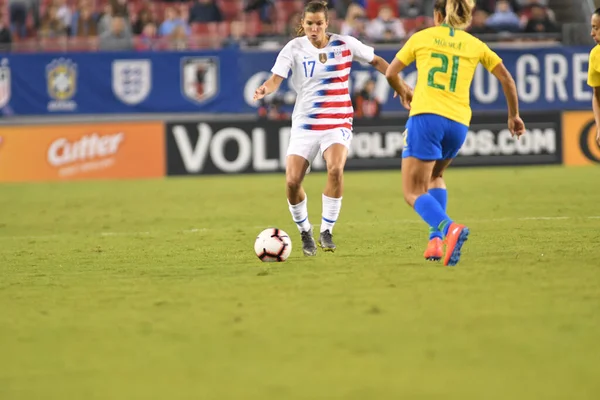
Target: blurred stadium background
{"points": [[86, 25], [122, 287], [191, 67]]}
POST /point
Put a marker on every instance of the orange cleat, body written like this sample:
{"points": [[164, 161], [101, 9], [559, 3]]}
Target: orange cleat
{"points": [[435, 250], [456, 237]]}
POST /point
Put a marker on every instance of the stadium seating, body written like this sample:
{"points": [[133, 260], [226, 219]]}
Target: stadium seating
{"points": [[280, 14]]}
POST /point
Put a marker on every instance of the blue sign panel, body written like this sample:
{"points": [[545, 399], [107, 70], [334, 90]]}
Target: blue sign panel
{"points": [[224, 81]]}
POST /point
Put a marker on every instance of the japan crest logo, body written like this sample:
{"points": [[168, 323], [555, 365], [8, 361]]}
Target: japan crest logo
{"points": [[199, 78]]}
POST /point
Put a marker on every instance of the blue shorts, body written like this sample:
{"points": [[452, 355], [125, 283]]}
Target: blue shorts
{"points": [[433, 137]]}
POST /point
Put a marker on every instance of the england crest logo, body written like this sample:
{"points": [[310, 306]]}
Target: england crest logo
{"points": [[132, 80], [199, 78], [4, 83]]}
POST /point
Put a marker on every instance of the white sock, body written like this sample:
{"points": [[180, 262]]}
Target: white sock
{"points": [[300, 214], [331, 212]]}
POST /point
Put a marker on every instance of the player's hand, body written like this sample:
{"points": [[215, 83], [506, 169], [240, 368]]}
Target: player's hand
{"points": [[405, 97], [516, 126], [598, 136], [260, 92]]}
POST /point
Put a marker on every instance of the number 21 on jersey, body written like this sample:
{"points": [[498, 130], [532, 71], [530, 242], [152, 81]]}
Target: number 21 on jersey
{"points": [[444, 70]]}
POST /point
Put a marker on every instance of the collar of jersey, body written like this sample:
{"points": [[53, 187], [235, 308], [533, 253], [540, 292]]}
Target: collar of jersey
{"points": [[448, 26], [328, 41]]}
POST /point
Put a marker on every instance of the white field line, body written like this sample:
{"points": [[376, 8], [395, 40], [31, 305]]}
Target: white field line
{"points": [[200, 230]]}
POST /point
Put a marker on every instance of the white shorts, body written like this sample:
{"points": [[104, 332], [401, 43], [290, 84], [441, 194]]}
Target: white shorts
{"points": [[307, 144]]}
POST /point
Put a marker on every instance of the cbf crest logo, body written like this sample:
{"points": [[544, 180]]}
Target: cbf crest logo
{"points": [[323, 58], [61, 76], [4, 83], [131, 80], [199, 78]]}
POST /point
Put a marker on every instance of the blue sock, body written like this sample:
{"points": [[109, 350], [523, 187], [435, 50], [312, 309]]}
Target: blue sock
{"points": [[432, 212], [441, 195]]}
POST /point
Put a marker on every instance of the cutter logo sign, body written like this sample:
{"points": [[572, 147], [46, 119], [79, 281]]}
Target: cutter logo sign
{"points": [[86, 151], [579, 137], [587, 142]]}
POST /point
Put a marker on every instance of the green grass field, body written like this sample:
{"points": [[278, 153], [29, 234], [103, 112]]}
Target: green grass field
{"points": [[151, 290]]}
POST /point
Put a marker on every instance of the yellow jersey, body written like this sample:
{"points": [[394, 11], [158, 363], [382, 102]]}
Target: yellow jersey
{"points": [[594, 68], [446, 61]]}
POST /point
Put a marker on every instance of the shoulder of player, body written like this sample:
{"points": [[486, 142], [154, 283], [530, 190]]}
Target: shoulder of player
{"points": [[424, 36], [338, 39], [476, 43], [595, 52], [294, 43]]}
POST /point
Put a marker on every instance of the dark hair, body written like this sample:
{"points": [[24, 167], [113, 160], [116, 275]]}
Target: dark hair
{"points": [[597, 12], [314, 6], [456, 13]]}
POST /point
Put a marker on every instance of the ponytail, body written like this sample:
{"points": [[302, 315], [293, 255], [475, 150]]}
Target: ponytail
{"points": [[456, 13], [459, 13], [313, 6]]}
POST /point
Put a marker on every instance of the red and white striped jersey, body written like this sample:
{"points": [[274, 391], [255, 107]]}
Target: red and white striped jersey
{"points": [[320, 79]]}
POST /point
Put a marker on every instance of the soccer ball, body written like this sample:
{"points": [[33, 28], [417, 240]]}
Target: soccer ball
{"points": [[272, 245]]}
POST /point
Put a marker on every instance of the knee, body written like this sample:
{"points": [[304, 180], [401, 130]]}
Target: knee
{"points": [[435, 175], [335, 172], [293, 183]]}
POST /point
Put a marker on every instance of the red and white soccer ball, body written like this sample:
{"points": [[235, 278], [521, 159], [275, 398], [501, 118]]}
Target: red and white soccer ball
{"points": [[273, 245]]}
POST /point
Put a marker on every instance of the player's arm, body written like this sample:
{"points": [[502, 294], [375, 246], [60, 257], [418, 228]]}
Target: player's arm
{"points": [[379, 64], [392, 74], [596, 108], [515, 123], [363, 53], [271, 85], [280, 71], [382, 66], [594, 82]]}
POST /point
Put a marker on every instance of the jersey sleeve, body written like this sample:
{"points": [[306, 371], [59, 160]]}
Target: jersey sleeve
{"points": [[407, 55], [360, 51], [285, 61], [489, 59], [593, 73]]}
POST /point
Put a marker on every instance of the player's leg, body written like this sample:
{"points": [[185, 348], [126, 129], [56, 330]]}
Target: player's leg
{"points": [[300, 151], [437, 189], [294, 175], [335, 152], [416, 175], [423, 147], [457, 234]]}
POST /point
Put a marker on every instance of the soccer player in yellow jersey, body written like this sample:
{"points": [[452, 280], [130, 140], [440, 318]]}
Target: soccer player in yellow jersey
{"points": [[440, 115], [594, 71]]}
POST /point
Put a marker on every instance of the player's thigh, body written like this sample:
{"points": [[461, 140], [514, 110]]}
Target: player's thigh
{"points": [[415, 177], [295, 169], [423, 137], [302, 149], [455, 135], [334, 145], [304, 144]]}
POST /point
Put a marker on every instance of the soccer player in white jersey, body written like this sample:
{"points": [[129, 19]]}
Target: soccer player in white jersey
{"points": [[320, 65]]}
